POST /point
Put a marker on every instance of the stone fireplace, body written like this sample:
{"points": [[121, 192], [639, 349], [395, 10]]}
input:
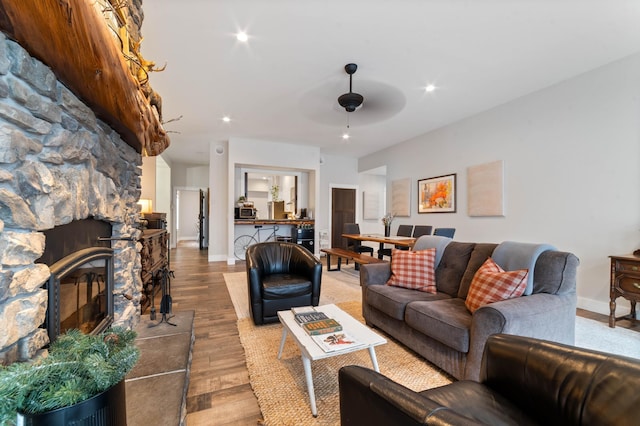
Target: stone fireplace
{"points": [[59, 164]]}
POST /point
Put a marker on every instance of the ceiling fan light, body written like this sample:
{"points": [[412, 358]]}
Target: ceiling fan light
{"points": [[350, 101]]}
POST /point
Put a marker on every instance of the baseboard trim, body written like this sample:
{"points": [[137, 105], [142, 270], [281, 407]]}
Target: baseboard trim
{"points": [[217, 258], [622, 306]]}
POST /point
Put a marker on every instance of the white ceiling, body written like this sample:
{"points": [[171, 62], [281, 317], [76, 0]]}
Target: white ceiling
{"points": [[284, 83]]}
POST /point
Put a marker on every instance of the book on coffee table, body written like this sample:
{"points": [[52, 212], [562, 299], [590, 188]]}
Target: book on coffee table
{"points": [[303, 309], [323, 326], [309, 317], [335, 341]]}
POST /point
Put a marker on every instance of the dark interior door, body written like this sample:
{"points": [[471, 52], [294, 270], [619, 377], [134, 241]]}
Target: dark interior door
{"points": [[203, 217], [343, 210]]}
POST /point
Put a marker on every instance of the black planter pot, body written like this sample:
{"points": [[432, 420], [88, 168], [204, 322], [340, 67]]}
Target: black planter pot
{"points": [[108, 408]]}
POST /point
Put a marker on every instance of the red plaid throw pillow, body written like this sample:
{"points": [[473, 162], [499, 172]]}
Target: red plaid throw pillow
{"points": [[492, 284], [413, 269]]}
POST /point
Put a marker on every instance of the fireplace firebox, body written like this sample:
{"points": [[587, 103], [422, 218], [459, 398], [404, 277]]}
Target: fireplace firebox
{"points": [[81, 292], [80, 287]]}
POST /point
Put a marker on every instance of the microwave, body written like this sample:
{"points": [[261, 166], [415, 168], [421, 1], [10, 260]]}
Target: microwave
{"points": [[247, 213]]}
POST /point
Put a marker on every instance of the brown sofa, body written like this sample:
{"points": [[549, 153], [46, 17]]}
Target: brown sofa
{"points": [[440, 328], [523, 381]]}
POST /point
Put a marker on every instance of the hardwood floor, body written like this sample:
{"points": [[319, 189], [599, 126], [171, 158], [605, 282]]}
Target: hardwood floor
{"points": [[219, 390]]}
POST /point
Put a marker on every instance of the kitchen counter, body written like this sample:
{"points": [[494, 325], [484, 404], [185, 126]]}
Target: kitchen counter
{"points": [[273, 222], [252, 231]]}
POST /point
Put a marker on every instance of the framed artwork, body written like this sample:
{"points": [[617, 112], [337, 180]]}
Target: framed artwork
{"points": [[401, 197], [485, 189], [371, 205], [437, 194]]}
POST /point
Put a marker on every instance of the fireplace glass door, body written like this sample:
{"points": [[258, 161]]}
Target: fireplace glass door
{"points": [[81, 292]]}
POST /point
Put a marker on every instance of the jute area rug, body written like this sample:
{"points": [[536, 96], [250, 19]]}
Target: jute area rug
{"points": [[279, 384]]}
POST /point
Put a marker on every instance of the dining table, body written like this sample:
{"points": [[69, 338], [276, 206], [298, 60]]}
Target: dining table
{"points": [[382, 239]]}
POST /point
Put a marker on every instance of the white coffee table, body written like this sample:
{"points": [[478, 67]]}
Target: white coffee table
{"points": [[310, 351]]}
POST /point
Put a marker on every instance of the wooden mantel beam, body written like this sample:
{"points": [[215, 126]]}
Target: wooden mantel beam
{"points": [[71, 37]]}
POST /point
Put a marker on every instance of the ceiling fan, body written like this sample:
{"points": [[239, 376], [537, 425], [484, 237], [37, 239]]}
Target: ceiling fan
{"points": [[350, 101], [383, 100]]}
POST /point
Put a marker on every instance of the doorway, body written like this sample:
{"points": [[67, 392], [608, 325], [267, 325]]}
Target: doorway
{"points": [[187, 215], [343, 210]]}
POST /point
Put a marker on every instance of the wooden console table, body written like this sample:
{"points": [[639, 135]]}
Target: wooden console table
{"points": [[155, 258], [625, 282]]}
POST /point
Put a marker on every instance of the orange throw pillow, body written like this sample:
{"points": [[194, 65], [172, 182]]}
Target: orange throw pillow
{"points": [[492, 284], [413, 269]]}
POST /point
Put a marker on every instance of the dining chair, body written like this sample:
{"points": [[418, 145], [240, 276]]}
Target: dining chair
{"points": [[403, 231], [355, 245], [420, 230], [445, 232]]}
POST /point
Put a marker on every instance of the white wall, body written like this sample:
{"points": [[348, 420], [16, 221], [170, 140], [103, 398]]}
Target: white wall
{"points": [[376, 184], [342, 172], [198, 176], [335, 172], [221, 209], [572, 171], [258, 192], [148, 179], [187, 226]]}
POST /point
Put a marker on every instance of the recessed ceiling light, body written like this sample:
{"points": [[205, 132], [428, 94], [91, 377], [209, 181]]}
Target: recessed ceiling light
{"points": [[345, 136], [226, 119], [430, 88], [242, 36]]}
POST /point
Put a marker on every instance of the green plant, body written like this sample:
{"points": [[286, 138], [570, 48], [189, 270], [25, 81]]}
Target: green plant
{"points": [[275, 192], [78, 367]]}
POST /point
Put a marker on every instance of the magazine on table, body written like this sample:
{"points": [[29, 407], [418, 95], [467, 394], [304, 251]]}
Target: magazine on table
{"points": [[335, 341]]}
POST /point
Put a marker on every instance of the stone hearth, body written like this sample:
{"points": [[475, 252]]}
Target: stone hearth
{"points": [[58, 164]]}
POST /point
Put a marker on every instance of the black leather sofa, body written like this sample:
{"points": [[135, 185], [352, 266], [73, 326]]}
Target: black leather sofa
{"points": [[280, 276], [523, 381]]}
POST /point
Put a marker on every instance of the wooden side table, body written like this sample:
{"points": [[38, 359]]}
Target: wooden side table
{"points": [[625, 282], [154, 257]]}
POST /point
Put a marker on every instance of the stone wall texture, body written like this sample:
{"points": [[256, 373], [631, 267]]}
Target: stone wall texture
{"points": [[58, 163]]}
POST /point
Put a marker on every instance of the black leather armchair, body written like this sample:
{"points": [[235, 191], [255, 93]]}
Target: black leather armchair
{"points": [[281, 275], [523, 381]]}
